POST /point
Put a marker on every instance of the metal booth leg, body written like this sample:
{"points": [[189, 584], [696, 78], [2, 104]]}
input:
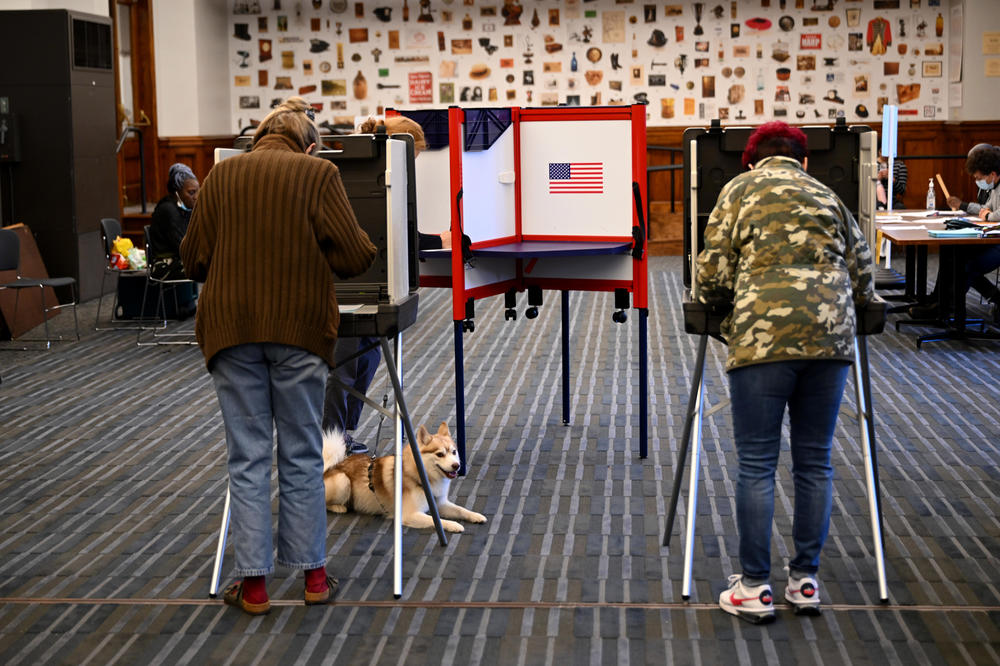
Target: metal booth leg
{"points": [[565, 356], [220, 550], [693, 488], [390, 366], [863, 392], [643, 383], [459, 396], [698, 371], [397, 480]]}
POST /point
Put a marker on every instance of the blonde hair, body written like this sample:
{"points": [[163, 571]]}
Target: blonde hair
{"points": [[397, 125], [290, 120]]}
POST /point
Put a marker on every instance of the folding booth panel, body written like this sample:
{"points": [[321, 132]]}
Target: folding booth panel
{"points": [[576, 179]]}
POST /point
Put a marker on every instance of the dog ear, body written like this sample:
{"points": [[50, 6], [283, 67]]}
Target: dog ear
{"points": [[422, 435], [443, 430]]}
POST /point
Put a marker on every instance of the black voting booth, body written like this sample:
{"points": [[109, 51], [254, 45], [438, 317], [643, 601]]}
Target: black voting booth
{"points": [[377, 173], [842, 158], [386, 292]]}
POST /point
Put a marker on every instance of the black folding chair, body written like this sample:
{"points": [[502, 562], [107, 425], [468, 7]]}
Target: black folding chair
{"points": [[10, 260]]}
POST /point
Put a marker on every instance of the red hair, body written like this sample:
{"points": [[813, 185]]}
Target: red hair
{"points": [[775, 138]]}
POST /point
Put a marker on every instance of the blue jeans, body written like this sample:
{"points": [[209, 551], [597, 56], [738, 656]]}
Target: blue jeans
{"points": [[263, 387], [979, 262], [812, 391], [342, 411]]}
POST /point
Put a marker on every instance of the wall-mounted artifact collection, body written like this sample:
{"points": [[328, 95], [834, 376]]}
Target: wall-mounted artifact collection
{"points": [[742, 61]]}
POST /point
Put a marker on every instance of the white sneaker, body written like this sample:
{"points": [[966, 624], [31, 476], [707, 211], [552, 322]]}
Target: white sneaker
{"points": [[803, 594], [753, 604]]}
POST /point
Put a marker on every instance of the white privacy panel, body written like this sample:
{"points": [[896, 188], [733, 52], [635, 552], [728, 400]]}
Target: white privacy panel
{"points": [[488, 203], [576, 178], [433, 191]]}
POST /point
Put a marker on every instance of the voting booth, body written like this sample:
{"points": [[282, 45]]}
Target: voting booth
{"points": [[377, 173], [841, 157], [547, 199]]}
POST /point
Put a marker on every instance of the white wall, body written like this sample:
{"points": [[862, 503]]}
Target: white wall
{"points": [[214, 93], [980, 95], [191, 68], [194, 68]]}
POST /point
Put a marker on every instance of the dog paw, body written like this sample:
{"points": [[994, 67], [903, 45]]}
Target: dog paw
{"points": [[452, 526], [336, 508], [476, 517]]}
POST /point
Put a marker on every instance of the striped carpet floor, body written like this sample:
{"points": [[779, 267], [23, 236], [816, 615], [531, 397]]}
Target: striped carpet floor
{"points": [[112, 461]]}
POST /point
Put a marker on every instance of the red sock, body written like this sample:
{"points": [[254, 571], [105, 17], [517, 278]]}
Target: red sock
{"points": [[316, 579], [254, 589]]}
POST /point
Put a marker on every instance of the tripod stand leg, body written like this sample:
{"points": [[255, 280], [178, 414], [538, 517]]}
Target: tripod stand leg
{"points": [[414, 447], [699, 369], [863, 391], [693, 495], [397, 519], [213, 588]]}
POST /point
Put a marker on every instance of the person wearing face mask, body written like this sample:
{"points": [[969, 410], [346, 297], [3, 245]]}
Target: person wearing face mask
{"points": [[171, 217], [272, 230], [983, 164], [984, 190], [167, 227]]}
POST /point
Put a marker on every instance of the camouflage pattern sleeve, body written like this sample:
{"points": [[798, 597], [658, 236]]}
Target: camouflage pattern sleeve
{"points": [[858, 257]]}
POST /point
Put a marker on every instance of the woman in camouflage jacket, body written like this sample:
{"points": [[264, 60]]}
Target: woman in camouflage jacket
{"points": [[792, 260]]}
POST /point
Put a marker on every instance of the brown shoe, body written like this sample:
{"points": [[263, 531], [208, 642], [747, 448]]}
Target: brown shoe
{"points": [[233, 596], [324, 597]]}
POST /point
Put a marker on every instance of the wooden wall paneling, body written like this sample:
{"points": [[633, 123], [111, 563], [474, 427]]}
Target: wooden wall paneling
{"points": [[666, 230], [198, 152]]}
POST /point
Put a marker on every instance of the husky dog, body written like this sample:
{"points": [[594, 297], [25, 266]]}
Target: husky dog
{"points": [[365, 484]]}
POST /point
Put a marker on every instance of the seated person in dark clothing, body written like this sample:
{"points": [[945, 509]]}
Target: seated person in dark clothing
{"points": [[166, 231], [983, 164], [899, 178]]}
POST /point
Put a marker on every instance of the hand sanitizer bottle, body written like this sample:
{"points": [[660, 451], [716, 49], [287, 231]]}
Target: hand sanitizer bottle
{"points": [[931, 203]]}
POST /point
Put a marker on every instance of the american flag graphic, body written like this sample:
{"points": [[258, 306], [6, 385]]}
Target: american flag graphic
{"points": [[576, 177]]}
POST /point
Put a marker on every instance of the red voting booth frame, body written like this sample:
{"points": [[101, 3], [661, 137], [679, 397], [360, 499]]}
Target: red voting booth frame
{"points": [[525, 248]]}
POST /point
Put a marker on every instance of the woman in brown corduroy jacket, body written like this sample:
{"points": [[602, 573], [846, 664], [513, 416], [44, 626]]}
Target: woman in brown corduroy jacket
{"points": [[269, 232]]}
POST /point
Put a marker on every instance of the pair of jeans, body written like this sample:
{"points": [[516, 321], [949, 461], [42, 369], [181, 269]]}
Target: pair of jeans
{"points": [[342, 411], [980, 261], [812, 390], [262, 388]]}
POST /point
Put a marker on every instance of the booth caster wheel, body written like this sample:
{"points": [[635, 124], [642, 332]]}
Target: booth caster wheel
{"points": [[468, 326], [531, 312], [510, 314], [619, 317]]}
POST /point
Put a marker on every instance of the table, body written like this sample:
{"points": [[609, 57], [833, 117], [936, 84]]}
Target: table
{"points": [[951, 276]]}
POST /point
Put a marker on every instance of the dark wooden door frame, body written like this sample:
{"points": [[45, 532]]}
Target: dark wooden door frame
{"points": [[143, 100]]}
